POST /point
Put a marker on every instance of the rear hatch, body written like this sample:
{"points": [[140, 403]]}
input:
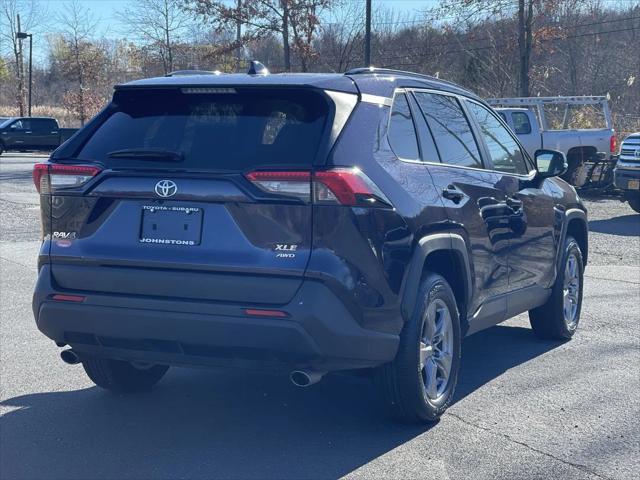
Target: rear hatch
{"points": [[159, 200]]}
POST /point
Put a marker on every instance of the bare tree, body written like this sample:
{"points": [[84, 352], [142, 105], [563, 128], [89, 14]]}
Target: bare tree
{"points": [[30, 14], [80, 59], [339, 43], [158, 23], [472, 10], [296, 21]]}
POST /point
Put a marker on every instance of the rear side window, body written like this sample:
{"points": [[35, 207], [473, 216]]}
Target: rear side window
{"points": [[234, 130], [503, 149], [450, 129], [43, 124], [521, 124], [402, 132]]}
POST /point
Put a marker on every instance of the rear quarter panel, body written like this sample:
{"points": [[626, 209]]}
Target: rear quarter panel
{"points": [[364, 253]]}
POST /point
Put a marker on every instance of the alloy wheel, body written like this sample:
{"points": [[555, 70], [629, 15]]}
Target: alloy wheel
{"points": [[571, 291], [436, 349]]}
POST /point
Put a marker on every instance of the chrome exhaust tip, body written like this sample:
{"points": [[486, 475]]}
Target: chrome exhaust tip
{"points": [[69, 357], [302, 378]]}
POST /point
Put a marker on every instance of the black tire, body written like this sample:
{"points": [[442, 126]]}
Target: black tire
{"points": [[123, 377], [634, 203], [1, 148], [548, 321], [401, 381]]}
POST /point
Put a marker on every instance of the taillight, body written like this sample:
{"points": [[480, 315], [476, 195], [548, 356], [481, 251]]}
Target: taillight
{"points": [[613, 144], [48, 177], [338, 186], [292, 184]]}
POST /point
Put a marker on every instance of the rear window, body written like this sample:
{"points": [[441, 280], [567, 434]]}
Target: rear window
{"points": [[521, 124], [234, 130]]}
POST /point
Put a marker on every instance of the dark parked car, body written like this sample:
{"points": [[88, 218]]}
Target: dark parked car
{"points": [[32, 133], [302, 223]]}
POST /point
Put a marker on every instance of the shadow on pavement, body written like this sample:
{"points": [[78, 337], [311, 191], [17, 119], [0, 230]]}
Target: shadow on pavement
{"points": [[206, 424], [625, 225]]}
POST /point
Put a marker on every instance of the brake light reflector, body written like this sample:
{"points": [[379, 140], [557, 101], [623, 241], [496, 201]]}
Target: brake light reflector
{"points": [[343, 186], [613, 144], [48, 176], [257, 312], [68, 298]]}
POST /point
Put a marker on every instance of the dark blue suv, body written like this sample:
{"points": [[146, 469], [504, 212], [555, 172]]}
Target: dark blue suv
{"points": [[301, 223]]}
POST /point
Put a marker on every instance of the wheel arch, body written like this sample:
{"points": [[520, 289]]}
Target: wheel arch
{"points": [[445, 254], [578, 229], [584, 152]]}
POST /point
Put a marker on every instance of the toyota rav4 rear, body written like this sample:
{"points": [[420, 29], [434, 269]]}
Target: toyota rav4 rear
{"points": [[179, 224]]}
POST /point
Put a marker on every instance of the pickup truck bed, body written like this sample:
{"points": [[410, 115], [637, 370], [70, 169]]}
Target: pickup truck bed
{"points": [[583, 147]]}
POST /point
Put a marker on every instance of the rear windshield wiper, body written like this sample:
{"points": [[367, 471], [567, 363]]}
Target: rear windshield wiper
{"points": [[148, 154]]}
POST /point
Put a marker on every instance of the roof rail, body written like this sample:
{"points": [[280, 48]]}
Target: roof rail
{"points": [[180, 73], [365, 70]]}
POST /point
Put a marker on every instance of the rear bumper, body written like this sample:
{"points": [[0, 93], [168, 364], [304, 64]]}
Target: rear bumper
{"points": [[622, 177], [319, 334]]}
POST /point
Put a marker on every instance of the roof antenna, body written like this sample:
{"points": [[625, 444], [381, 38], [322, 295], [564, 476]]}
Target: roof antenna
{"points": [[256, 68]]}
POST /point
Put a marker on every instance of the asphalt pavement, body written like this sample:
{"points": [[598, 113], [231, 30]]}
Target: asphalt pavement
{"points": [[524, 408]]}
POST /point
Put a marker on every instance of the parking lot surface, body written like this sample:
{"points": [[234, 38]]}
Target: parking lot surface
{"points": [[524, 408]]}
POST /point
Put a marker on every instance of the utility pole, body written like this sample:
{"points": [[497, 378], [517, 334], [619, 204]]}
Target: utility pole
{"points": [[20, 70], [238, 38], [21, 36], [367, 36]]}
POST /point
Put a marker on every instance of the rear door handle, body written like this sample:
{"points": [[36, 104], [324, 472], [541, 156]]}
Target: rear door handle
{"points": [[453, 194]]}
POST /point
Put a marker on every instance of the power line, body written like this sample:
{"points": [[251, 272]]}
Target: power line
{"points": [[456, 42], [488, 47]]}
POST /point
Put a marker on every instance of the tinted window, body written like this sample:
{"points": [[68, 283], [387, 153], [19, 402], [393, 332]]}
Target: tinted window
{"points": [[521, 123], [42, 124], [503, 149], [21, 125], [504, 117], [428, 150], [231, 130], [402, 133], [450, 128]]}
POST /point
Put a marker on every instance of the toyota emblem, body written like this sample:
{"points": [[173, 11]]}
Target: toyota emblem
{"points": [[166, 188]]}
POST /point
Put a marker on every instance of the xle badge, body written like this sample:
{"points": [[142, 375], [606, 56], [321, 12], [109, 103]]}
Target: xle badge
{"points": [[285, 250]]}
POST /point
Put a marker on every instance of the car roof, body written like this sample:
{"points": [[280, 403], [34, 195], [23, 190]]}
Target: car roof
{"points": [[330, 81], [382, 82]]}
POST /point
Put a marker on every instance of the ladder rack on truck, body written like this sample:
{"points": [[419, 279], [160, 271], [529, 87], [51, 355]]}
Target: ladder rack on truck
{"points": [[537, 104]]}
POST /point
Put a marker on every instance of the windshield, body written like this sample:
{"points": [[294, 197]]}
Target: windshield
{"points": [[4, 121], [233, 130]]}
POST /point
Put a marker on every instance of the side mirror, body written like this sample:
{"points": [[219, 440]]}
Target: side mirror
{"points": [[550, 163]]}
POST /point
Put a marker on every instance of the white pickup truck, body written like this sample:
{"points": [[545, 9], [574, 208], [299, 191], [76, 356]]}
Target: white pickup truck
{"points": [[580, 127]]}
